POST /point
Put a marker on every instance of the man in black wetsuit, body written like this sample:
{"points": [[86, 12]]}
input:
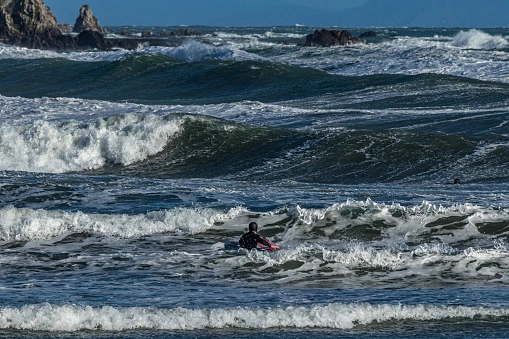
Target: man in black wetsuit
{"points": [[250, 239]]}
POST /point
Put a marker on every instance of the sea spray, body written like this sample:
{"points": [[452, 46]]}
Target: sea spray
{"points": [[477, 39]]}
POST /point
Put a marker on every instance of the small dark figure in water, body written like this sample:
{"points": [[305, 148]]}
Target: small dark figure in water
{"points": [[456, 182], [250, 239]]}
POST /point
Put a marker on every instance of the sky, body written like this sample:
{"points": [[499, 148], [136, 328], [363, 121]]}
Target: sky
{"points": [[193, 12], [326, 13]]}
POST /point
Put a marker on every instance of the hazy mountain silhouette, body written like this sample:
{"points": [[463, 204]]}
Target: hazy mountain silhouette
{"points": [[428, 13]]}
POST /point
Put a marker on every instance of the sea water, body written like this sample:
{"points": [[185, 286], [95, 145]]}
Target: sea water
{"points": [[123, 174]]}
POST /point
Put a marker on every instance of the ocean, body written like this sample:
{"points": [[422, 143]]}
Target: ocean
{"points": [[127, 177]]}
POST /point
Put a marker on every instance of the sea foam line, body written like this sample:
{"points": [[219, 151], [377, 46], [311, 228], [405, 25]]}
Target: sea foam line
{"points": [[73, 318]]}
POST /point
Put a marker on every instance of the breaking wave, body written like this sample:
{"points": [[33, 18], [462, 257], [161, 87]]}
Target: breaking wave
{"points": [[476, 39], [74, 146], [73, 318], [23, 224]]}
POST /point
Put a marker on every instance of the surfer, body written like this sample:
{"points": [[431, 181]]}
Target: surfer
{"points": [[251, 239], [457, 181]]}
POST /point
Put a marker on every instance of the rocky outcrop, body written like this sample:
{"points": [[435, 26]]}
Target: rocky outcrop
{"points": [[65, 28], [91, 39], [182, 32], [86, 21], [178, 33], [368, 34], [328, 38], [28, 22]]}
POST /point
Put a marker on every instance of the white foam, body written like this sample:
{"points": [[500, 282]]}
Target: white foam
{"points": [[278, 35], [400, 223], [14, 52], [25, 224], [73, 318], [355, 255], [193, 51], [473, 54], [362, 255], [189, 51], [433, 249]]}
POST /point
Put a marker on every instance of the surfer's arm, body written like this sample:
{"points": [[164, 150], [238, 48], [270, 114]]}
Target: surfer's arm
{"points": [[262, 241], [267, 243]]}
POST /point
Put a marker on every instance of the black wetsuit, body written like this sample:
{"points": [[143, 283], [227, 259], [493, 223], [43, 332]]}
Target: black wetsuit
{"points": [[249, 241]]}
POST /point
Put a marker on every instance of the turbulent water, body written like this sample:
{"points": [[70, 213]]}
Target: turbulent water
{"points": [[127, 177]]}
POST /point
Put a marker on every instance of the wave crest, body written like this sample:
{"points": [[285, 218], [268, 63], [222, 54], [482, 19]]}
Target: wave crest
{"points": [[23, 224], [73, 318], [476, 39], [58, 148], [396, 224]]}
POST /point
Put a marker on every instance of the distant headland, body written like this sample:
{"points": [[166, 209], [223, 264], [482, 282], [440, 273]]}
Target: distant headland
{"points": [[32, 24]]}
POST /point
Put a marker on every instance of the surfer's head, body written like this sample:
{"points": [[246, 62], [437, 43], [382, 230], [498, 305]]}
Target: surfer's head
{"points": [[457, 181], [253, 227]]}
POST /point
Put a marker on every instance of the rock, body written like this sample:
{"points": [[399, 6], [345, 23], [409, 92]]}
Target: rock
{"points": [[27, 22], [368, 34], [328, 38], [147, 34], [187, 32], [124, 32], [91, 39], [86, 21], [65, 28], [30, 23], [182, 32]]}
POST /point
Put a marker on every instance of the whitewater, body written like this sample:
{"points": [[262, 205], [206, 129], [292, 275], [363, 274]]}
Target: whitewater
{"points": [[127, 178]]}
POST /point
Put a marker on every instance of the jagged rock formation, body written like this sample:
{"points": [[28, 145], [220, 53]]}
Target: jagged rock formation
{"points": [[328, 38], [86, 21], [28, 22], [65, 28]]}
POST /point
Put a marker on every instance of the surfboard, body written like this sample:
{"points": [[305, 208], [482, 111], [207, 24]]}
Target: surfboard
{"points": [[272, 247], [234, 246]]}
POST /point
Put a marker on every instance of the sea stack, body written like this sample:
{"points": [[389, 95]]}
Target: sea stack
{"points": [[30, 23], [86, 21]]}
